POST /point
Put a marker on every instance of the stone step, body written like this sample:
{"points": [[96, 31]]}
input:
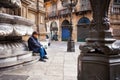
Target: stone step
{"points": [[13, 55], [18, 63], [11, 61], [6, 58]]}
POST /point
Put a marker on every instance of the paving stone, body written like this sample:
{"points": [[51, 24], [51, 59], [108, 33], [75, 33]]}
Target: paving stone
{"points": [[70, 78], [13, 77], [54, 72], [36, 77], [70, 72]]}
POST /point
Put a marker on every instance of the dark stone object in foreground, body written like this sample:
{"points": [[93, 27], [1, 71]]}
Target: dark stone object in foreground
{"points": [[98, 67], [100, 56], [93, 67], [114, 67]]}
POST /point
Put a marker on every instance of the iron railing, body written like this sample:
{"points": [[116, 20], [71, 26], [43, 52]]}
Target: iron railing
{"points": [[115, 9]]}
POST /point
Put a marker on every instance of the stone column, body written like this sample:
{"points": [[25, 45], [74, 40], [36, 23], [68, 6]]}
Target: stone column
{"points": [[98, 58]]}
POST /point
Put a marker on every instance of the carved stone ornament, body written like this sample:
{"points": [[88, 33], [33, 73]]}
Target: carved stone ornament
{"points": [[10, 3], [14, 25], [99, 58], [116, 47], [98, 41], [95, 48]]}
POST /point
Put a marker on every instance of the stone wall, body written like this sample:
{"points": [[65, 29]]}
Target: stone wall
{"points": [[35, 11], [114, 15], [60, 19], [78, 14]]}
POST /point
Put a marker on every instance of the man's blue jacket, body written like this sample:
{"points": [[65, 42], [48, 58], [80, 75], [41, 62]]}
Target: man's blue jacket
{"points": [[34, 45]]}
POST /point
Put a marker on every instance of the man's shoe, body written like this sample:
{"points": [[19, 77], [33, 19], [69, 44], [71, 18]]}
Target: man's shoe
{"points": [[42, 60], [45, 57]]}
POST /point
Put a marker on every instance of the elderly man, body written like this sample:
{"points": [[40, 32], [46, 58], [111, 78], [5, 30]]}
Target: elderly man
{"points": [[35, 46]]}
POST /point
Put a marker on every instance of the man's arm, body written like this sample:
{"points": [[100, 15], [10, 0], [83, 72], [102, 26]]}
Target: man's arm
{"points": [[34, 43]]}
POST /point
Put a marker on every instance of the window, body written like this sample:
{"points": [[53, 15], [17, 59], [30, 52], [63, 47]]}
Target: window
{"points": [[115, 7], [24, 11], [85, 5], [116, 1], [54, 7], [42, 19]]}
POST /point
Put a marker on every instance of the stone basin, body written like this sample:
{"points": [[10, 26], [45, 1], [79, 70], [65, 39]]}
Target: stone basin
{"points": [[11, 25], [13, 50]]}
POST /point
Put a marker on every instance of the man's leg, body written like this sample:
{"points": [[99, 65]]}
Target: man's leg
{"points": [[45, 53], [42, 54]]}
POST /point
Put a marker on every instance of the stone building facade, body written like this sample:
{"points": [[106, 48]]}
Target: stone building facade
{"points": [[114, 14], [33, 10], [57, 19]]}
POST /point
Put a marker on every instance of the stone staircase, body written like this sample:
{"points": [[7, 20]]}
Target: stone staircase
{"points": [[13, 61]]}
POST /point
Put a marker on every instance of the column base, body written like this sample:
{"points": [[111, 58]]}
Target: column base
{"points": [[94, 66]]}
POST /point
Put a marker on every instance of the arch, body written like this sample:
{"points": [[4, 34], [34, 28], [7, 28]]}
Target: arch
{"points": [[83, 29], [65, 23], [84, 20], [65, 30], [54, 30]]}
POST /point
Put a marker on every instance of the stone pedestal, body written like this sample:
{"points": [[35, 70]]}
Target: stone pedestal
{"points": [[93, 66], [114, 67]]}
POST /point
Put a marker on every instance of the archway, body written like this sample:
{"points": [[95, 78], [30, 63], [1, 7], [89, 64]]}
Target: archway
{"points": [[65, 30], [83, 29], [54, 31]]}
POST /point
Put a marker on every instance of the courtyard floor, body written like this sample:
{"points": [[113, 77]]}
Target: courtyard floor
{"points": [[61, 65]]}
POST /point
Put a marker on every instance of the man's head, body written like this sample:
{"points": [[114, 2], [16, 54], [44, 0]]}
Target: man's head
{"points": [[35, 34]]}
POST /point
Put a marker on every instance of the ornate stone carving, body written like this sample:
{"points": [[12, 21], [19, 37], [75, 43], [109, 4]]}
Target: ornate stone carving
{"points": [[14, 25], [116, 47], [95, 48], [106, 23], [5, 29], [100, 53], [99, 29], [10, 3], [12, 29]]}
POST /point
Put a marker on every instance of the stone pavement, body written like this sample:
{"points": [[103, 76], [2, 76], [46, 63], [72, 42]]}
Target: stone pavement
{"points": [[61, 65]]}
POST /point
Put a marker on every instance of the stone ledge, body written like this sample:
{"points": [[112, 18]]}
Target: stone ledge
{"points": [[2, 56], [12, 65], [15, 58]]}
